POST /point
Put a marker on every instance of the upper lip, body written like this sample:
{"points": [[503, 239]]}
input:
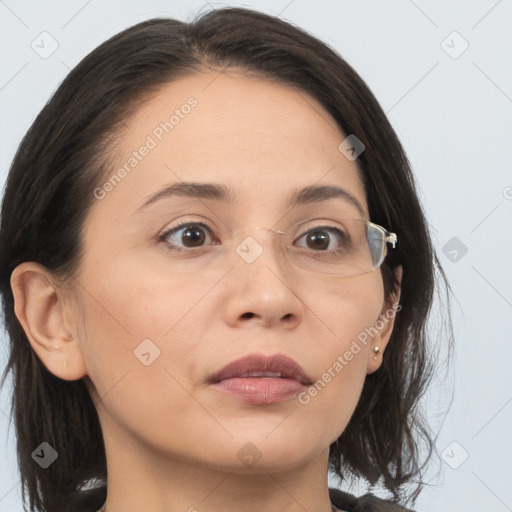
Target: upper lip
{"points": [[279, 365]]}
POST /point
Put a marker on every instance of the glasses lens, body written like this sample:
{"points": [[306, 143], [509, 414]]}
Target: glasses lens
{"points": [[347, 248], [377, 244]]}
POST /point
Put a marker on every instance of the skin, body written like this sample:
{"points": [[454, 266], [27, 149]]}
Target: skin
{"points": [[172, 442]]}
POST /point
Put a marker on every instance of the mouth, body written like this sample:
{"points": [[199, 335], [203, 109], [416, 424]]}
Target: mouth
{"points": [[261, 379]]}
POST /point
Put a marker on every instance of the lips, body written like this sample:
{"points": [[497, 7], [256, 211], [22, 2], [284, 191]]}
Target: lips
{"points": [[261, 379], [278, 366]]}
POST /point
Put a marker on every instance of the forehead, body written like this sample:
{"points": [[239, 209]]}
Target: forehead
{"points": [[258, 136]]}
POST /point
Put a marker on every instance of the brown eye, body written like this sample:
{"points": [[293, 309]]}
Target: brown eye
{"points": [[319, 239], [192, 237], [187, 236]]}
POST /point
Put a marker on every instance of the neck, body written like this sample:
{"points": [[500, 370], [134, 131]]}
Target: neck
{"points": [[140, 479]]}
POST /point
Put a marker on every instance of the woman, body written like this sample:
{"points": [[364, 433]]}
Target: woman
{"points": [[216, 277]]}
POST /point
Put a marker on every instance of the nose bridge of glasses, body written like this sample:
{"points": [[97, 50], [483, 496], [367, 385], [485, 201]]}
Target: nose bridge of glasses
{"points": [[253, 242], [274, 231]]}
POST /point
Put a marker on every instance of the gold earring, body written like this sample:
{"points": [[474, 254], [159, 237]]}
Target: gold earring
{"points": [[376, 351]]}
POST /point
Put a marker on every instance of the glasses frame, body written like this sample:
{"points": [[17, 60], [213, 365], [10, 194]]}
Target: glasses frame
{"points": [[386, 236]]}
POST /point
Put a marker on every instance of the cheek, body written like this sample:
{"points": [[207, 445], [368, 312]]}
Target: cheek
{"points": [[141, 351], [133, 302], [346, 308], [136, 322], [345, 315]]}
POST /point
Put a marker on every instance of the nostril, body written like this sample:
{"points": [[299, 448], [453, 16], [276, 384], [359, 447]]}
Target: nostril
{"points": [[248, 315]]}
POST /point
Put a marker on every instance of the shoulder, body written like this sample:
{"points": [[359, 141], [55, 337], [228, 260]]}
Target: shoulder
{"points": [[366, 503]]}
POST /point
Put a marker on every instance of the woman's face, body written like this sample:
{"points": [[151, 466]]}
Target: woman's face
{"points": [[154, 324]]}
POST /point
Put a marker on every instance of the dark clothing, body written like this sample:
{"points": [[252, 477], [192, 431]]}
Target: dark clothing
{"points": [[93, 500], [366, 503]]}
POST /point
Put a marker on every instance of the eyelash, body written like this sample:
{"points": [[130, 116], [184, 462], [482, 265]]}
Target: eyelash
{"points": [[175, 229]]}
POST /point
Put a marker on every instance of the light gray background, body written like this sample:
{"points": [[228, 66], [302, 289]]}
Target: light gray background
{"points": [[453, 114]]}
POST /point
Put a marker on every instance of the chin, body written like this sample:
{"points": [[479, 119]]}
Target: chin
{"points": [[256, 454]]}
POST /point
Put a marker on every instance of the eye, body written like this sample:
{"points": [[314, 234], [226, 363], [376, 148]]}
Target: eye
{"points": [[321, 238], [189, 234]]}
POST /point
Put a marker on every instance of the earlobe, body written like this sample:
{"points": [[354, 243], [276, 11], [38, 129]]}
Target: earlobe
{"points": [[384, 326], [40, 311]]}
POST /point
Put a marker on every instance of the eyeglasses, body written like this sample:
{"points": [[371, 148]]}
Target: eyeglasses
{"points": [[341, 248], [358, 246]]}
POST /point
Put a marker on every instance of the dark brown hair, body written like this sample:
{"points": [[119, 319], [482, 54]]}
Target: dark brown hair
{"points": [[65, 155]]}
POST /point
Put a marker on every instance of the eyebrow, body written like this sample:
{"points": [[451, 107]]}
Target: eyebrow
{"points": [[219, 192]]}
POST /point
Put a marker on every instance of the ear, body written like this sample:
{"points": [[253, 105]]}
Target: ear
{"points": [[383, 327], [41, 310]]}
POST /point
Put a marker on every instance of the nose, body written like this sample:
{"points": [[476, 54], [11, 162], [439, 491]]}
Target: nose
{"points": [[262, 285]]}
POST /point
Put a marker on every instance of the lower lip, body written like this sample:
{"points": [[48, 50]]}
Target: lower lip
{"points": [[260, 390]]}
